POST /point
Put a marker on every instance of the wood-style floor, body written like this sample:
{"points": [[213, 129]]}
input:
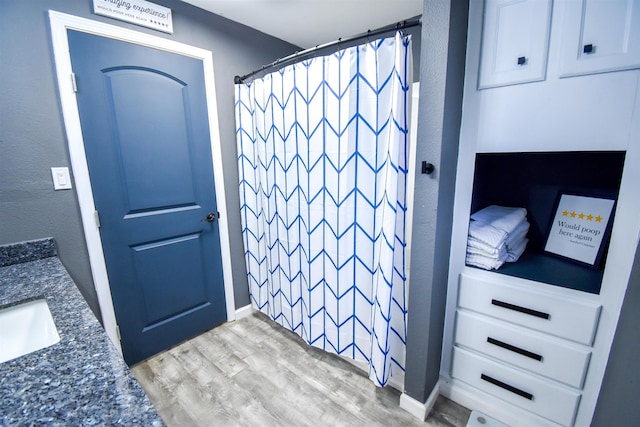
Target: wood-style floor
{"points": [[253, 372]]}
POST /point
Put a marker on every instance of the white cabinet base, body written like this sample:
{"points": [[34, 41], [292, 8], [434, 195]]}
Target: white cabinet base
{"points": [[474, 399], [516, 387]]}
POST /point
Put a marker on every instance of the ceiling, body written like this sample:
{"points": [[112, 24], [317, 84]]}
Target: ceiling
{"points": [[308, 23]]}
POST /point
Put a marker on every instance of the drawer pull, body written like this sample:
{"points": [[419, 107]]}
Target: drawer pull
{"points": [[507, 387], [520, 309], [515, 349]]}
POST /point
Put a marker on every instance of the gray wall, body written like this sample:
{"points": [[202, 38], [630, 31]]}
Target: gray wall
{"points": [[618, 401], [32, 137], [444, 29]]}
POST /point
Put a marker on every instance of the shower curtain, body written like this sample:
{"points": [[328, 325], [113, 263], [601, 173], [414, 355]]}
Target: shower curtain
{"points": [[322, 152]]}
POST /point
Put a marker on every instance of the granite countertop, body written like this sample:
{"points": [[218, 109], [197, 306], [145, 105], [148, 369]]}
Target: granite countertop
{"points": [[82, 380]]}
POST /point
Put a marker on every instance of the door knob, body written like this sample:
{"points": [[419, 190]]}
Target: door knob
{"points": [[211, 217]]}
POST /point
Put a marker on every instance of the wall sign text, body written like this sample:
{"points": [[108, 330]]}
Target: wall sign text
{"points": [[139, 12]]}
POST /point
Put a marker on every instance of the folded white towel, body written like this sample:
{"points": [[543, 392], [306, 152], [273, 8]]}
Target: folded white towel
{"points": [[497, 234], [485, 248], [487, 234], [501, 217], [483, 262], [519, 233], [479, 248], [516, 251]]}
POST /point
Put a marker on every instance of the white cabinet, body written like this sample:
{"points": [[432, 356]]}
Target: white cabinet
{"points": [[519, 304], [514, 42], [537, 107], [529, 392], [594, 36], [519, 344], [528, 344], [599, 36], [538, 353]]}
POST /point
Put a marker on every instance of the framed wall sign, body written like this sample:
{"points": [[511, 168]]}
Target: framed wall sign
{"points": [[580, 228], [139, 12]]}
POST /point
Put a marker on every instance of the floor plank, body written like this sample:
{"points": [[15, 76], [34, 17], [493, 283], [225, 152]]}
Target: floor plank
{"points": [[253, 372]]}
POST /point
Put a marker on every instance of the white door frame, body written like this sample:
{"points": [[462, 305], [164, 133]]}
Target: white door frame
{"points": [[60, 23]]}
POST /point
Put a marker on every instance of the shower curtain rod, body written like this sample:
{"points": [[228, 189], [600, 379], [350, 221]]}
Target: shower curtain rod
{"points": [[302, 54]]}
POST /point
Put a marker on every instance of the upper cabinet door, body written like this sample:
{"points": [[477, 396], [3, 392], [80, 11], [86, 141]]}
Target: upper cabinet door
{"points": [[599, 36], [515, 41]]}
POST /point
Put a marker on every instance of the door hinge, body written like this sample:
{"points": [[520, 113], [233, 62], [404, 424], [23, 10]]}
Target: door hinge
{"points": [[96, 217], [118, 333], [74, 83]]}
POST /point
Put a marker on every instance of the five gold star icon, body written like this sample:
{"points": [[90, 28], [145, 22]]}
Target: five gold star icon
{"points": [[582, 215]]}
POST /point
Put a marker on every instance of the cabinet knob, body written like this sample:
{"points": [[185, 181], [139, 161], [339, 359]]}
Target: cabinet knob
{"points": [[588, 48], [522, 60]]}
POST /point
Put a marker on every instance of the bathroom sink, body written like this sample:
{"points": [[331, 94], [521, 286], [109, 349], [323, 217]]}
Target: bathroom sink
{"points": [[25, 328]]}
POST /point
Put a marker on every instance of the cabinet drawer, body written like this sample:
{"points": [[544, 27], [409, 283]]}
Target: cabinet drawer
{"points": [[563, 317], [516, 387], [523, 348]]}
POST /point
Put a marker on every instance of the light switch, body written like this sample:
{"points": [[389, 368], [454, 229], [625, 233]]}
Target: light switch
{"points": [[61, 178]]}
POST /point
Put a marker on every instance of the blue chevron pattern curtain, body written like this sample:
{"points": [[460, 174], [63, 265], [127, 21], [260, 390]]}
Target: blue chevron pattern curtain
{"points": [[322, 151]]}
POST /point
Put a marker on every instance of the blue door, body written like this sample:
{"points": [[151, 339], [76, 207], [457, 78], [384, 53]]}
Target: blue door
{"points": [[145, 127]]}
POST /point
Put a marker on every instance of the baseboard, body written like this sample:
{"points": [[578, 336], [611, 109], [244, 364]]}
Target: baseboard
{"points": [[244, 311], [418, 409]]}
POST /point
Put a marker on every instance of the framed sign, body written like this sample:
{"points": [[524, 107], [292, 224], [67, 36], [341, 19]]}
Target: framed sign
{"points": [[139, 12], [580, 228]]}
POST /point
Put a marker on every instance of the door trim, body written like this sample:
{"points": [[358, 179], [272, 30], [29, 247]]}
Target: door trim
{"points": [[60, 23]]}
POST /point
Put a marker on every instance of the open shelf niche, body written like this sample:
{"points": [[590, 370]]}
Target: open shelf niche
{"points": [[533, 181]]}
